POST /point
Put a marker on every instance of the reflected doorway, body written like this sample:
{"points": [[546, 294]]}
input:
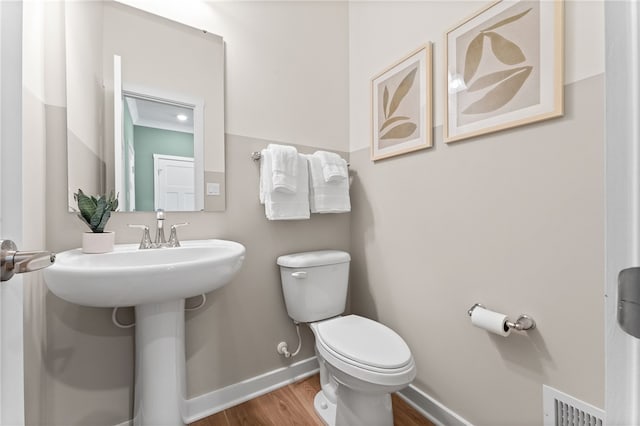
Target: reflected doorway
{"points": [[158, 155]]}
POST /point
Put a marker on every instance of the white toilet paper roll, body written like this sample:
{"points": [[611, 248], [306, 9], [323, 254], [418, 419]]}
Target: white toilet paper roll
{"points": [[494, 322]]}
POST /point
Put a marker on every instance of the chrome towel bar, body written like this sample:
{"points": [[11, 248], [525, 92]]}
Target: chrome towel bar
{"points": [[256, 155]]}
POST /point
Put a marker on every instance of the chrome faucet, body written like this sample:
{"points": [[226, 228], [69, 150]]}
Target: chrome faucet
{"points": [[160, 240]]}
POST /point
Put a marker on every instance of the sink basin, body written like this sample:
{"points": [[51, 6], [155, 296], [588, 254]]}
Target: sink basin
{"points": [[129, 276]]}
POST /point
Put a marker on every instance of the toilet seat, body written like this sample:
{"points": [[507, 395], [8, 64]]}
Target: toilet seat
{"points": [[365, 342], [365, 349]]}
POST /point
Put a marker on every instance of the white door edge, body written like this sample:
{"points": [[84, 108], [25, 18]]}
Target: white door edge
{"points": [[11, 221], [118, 151], [622, 192]]}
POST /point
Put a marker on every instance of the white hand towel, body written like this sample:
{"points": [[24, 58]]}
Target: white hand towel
{"points": [[284, 167], [334, 167], [280, 205], [265, 173], [326, 197]]}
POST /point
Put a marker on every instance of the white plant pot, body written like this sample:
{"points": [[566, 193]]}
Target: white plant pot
{"points": [[98, 242]]}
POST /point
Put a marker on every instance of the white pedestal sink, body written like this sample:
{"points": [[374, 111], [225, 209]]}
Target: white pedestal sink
{"points": [[156, 282]]}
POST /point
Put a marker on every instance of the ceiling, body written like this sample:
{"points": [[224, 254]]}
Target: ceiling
{"points": [[159, 115]]}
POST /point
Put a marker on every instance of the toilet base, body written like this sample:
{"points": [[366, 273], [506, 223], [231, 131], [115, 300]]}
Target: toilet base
{"points": [[356, 408], [325, 409]]}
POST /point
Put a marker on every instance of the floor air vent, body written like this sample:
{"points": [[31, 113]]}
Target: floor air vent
{"points": [[561, 409]]}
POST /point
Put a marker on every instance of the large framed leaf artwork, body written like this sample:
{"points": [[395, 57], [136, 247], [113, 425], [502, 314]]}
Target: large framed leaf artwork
{"points": [[504, 68], [401, 99]]}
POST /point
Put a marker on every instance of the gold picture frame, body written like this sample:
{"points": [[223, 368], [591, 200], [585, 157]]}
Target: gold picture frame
{"points": [[401, 104], [504, 68]]}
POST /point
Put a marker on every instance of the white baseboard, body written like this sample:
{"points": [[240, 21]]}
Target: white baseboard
{"points": [[431, 408], [213, 402], [221, 399]]}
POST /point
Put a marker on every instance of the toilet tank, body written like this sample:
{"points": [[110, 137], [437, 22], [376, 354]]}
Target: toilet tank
{"points": [[315, 284]]}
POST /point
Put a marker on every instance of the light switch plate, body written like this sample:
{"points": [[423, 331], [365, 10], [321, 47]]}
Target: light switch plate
{"points": [[213, 188]]}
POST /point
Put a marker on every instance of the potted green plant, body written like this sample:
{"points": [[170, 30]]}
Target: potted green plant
{"points": [[95, 213]]}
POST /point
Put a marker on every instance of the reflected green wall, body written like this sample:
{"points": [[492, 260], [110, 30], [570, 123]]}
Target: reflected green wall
{"points": [[127, 135], [149, 141]]}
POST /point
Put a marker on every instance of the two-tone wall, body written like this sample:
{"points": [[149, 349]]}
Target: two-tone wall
{"points": [[79, 366], [513, 220]]}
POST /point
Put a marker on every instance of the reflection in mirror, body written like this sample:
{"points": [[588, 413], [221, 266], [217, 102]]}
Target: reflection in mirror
{"points": [[159, 167], [130, 75]]}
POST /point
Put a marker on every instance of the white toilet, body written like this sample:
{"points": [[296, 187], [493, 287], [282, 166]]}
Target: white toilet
{"points": [[361, 361]]}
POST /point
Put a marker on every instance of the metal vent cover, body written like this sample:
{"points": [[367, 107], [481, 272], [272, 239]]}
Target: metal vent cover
{"points": [[561, 409]]}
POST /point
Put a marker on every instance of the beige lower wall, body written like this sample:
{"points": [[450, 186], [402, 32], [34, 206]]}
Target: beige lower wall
{"points": [[513, 220], [79, 369], [248, 317]]}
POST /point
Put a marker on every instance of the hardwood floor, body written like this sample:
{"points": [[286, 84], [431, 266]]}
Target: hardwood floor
{"points": [[293, 405]]}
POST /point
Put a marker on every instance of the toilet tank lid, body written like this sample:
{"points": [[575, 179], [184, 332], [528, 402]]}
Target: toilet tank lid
{"points": [[313, 258]]}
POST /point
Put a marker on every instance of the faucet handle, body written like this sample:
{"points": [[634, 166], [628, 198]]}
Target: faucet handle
{"points": [[145, 243], [173, 237]]}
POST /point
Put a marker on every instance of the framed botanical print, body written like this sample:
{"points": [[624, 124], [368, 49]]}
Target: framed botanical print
{"points": [[504, 68], [401, 99]]}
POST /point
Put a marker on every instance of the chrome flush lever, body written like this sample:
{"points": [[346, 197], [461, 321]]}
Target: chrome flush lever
{"points": [[13, 261]]}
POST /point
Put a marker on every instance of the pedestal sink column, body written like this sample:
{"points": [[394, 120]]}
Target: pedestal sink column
{"points": [[160, 386]]}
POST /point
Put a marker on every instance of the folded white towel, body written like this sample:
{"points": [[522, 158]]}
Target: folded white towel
{"points": [[265, 174], [284, 167], [326, 197], [281, 205], [334, 167]]}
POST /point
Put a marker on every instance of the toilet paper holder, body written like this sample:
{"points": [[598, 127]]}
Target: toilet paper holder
{"points": [[523, 323]]}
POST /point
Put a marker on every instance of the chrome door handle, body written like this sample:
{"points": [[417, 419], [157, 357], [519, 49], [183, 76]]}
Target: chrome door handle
{"points": [[13, 261]]}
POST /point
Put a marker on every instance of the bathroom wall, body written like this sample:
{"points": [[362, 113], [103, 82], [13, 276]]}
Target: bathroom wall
{"points": [[286, 81], [513, 220], [86, 97]]}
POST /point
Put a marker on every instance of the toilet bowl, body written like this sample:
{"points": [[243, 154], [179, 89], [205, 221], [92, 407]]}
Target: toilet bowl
{"points": [[361, 361], [368, 361]]}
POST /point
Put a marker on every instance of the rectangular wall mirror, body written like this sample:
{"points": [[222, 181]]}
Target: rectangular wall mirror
{"points": [[145, 109]]}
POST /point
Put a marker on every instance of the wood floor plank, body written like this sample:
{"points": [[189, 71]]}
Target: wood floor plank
{"points": [[406, 415], [218, 419], [305, 391], [293, 405], [246, 414], [282, 408]]}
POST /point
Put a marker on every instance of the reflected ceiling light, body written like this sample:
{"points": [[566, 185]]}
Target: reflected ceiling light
{"points": [[181, 117]]}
